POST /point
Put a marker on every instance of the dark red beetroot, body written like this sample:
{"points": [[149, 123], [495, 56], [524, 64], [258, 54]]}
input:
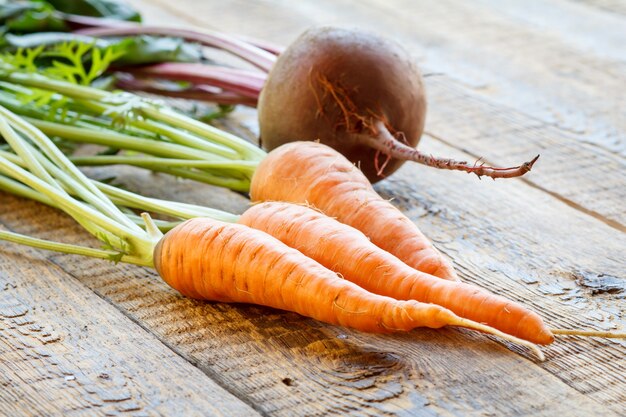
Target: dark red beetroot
{"points": [[358, 93]]}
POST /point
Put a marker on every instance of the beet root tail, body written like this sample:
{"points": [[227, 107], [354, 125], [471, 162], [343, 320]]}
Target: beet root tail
{"points": [[387, 144]]}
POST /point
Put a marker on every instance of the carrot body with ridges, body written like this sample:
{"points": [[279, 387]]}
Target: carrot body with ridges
{"points": [[348, 252], [211, 260], [309, 172]]}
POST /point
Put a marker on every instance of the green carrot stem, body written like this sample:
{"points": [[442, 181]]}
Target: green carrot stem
{"points": [[20, 190], [50, 84], [101, 226], [34, 159], [119, 141], [151, 227], [155, 112], [154, 162], [175, 135], [183, 138], [244, 147], [190, 139], [208, 178], [184, 211], [21, 148], [119, 196], [10, 102], [76, 189], [229, 181], [62, 199], [163, 225], [72, 249], [239, 171]]}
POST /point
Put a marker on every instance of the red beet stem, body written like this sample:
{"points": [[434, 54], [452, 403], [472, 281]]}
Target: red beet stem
{"points": [[242, 82], [387, 144], [196, 92], [270, 47]]}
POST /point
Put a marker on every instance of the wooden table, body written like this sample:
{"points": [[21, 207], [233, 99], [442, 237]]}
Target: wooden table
{"points": [[505, 80]]}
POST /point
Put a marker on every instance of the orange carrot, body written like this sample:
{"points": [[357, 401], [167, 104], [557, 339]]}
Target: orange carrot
{"points": [[212, 260], [348, 252], [309, 172]]}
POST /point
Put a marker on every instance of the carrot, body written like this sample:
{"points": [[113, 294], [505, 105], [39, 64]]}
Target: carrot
{"points": [[348, 252], [308, 172], [212, 260]]}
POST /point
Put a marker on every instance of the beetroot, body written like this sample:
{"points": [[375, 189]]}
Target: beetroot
{"points": [[358, 93]]}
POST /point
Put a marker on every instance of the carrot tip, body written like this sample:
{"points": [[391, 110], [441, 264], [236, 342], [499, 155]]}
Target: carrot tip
{"points": [[469, 324]]}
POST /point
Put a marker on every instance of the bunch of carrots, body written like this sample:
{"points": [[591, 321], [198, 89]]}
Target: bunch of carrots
{"points": [[352, 260], [358, 261]]}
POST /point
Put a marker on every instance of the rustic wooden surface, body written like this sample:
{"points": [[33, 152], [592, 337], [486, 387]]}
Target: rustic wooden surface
{"points": [[505, 80]]}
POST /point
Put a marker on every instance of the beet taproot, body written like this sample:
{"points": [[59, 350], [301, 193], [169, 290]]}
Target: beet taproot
{"points": [[359, 93]]}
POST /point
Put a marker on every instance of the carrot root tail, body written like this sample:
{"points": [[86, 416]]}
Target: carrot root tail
{"points": [[589, 333], [387, 144], [469, 324]]}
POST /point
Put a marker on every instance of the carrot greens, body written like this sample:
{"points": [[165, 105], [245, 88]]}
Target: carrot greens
{"points": [[58, 100], [32, 166]]}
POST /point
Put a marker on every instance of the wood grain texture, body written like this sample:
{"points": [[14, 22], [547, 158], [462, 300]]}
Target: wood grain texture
{"points": [[610, 6], [66, 352], [517, 241], [552, 241]]}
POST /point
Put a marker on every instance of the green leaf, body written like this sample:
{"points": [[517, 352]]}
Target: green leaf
{"points": [[65, 71], [33, 16], [120, 246], [79, 63], [111, 9], [138, 50], [23, 59], [48, 39], [49, 16]]}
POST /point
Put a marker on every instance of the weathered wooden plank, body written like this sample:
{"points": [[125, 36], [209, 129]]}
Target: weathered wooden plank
{"points": [[516, 84], [66, 352], [542, 58], [611, 6]]}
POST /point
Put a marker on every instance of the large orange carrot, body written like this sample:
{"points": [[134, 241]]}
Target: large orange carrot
{"points": [[309, 172], [348, 252], [212, 260]]}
